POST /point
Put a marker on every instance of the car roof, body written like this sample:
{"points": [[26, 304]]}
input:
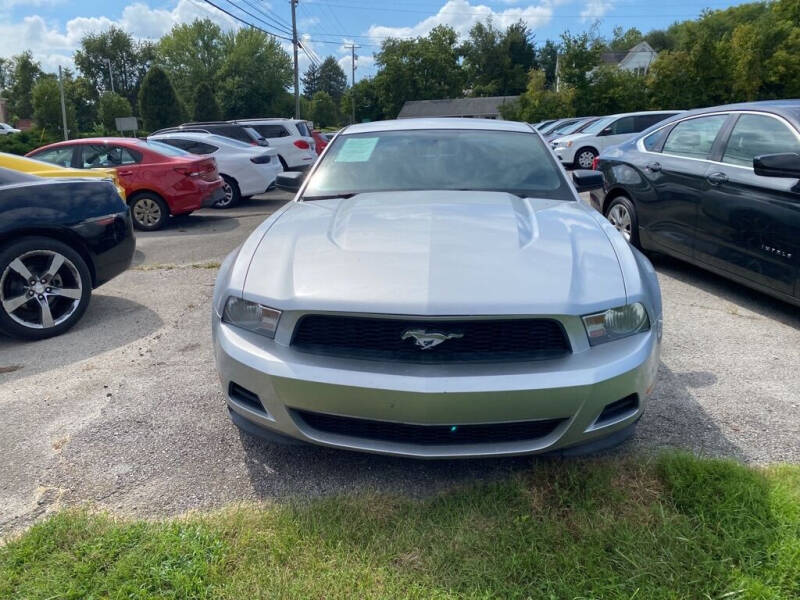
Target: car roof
{"points": [[437, 123], [259, 119], [789, 109]]}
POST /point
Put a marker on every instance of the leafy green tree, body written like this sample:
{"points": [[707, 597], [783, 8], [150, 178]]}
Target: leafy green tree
{"points": [[206, 107], [579, 57], [495, 62], [254, 75], [747, 62], [332, 79], [192, 54], [623, 40], [24, 73], [323, 110], [420, 69], [538, 102], [130, 61], [310, 81], [365, 95], [615, 90], [46, 100], [667, 81], [660, 40], [547, 57], [110, 107], [80, 92], [158, 103], [5, 73]]}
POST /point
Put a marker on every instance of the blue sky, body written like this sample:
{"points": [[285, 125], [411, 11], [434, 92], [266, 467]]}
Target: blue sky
{"points": [[52, 28]]}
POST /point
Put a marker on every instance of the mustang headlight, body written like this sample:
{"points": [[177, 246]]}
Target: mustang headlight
{"points": [[251, 316], [616, 323]]}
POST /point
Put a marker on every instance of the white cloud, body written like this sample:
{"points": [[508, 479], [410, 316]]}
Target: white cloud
{"points": [[596, 9], [54, 46], [461, 16], [307, 22]]}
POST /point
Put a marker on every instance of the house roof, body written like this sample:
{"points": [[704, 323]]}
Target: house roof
{"points": [[454, 107], [614, 58]]}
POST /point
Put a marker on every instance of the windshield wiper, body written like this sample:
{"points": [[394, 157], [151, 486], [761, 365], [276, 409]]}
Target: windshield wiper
{"points": [[331, 196]]}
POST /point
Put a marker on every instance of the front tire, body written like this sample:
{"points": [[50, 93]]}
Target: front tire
{"points": [[45, 287], [232, 193], [584, 158], [621, 213], [149, 212]]}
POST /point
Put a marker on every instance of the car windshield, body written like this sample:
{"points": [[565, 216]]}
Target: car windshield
{"points": [[447, 159], [218, 139], [163, 148], [599, 125], [575, 126]]}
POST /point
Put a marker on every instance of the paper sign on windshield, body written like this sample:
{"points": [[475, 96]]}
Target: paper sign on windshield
{"points": [[356, 149]]}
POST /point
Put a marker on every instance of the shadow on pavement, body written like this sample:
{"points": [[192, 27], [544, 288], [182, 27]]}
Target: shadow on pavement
{"points": [[109, 322], [728, 290], [673, 419]]}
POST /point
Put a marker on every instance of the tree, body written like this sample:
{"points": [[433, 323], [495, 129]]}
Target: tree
{"points": [[420, 69], [323, 110], [548, 61], [205, 104], [159, 106], [538, 102], [80, 92], [46, 100], [130, 61], [5, 73], [747, 61], [623, 40], [496, 62], [24, 73], [580, 55], [331, 79], [254, 75], [365, 95], [310, 81], [615, 90], [192, 54], [110, 107]]}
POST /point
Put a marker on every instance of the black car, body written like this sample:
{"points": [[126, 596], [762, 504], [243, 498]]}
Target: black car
{"points": [[59, 239], [236, 131], [717, 187]]}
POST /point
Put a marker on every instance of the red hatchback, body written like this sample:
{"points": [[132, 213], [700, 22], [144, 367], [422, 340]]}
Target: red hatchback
{"points": [[159, 180]]}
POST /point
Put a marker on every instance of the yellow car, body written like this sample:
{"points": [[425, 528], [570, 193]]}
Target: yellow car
{"points": [[43, 169]]}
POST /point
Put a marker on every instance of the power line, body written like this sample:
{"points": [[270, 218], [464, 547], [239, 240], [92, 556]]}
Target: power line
{"points": [[274, 22], [231, 2], [238, 18]]}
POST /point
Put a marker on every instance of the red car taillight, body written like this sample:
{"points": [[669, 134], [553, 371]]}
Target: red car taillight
{"points": [[302, 144], [188, 171]]}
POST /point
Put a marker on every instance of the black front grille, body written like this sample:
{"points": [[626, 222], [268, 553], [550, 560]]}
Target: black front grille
{"points": [[427, 435], [391, 339]]}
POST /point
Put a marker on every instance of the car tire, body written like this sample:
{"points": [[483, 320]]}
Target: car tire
{"points": [[584, 158], [149, 211], [621, 213], [46, 313], [232, 193]]}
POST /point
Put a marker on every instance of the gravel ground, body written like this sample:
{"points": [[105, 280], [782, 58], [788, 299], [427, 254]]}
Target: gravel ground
{"points": [[125, 413]]}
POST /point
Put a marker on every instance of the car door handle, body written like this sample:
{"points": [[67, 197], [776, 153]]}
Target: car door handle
{"points": [[654, 167], [124, 172], [716, 178]]}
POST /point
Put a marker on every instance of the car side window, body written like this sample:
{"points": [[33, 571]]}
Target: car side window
{"points": [[176, 143], [623, 125], [653, 141], [694, 138], [645, 121], [105, 155], [755, 135], [57, 156]]}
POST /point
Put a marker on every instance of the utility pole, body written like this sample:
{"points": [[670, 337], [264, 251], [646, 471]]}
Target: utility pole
{"points": [[296, 74], [63, 105], [353, 75], [110, 76]]}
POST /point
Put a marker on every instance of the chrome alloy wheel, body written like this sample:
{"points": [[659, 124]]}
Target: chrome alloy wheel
{"points": [[620, 218], [585, 159], [40, 289], [147, 212]]}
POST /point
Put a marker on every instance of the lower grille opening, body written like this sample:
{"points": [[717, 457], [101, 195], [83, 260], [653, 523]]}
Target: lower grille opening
{"points": [[619, 409], [428, 435], [245, 396]]}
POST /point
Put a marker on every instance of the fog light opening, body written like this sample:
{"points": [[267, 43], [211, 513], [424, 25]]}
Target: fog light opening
{"points": [[619, 410], [245, 397]]}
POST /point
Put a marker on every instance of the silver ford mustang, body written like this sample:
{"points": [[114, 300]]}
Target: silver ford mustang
{"points": [[438, 289]]}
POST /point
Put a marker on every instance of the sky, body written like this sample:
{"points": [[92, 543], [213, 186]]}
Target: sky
{"points": [[52, 29]]}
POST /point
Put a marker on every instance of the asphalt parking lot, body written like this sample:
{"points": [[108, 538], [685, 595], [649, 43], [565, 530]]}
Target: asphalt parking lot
{"points": [[125, 412]]}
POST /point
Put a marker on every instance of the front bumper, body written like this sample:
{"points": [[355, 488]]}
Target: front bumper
{"points": [[571, 393]]}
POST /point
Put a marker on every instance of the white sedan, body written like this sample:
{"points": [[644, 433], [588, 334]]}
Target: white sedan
{"points": [[6, 129], [247, 170]]}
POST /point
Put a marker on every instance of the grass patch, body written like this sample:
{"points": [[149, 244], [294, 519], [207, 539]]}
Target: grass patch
{"points": [[674, 527]]}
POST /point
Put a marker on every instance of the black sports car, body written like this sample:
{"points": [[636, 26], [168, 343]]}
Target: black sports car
{"points": [[717, 187], [59, 239]]}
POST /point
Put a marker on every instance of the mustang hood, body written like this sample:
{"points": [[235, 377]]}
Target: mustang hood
{"points": [[436, 253]]}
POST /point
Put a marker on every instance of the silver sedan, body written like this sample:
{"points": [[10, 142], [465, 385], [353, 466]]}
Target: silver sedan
{"points": [[437, 289]]}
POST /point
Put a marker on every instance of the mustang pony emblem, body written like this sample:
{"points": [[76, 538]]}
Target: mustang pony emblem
{"points": [[429, 339]]}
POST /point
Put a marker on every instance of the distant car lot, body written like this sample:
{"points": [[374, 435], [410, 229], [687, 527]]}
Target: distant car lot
{"points": [[124, 411]]}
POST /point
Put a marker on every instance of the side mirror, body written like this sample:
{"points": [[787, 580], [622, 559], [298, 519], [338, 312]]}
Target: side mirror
{"points": [[586, 180], [606, 131], [778, 165], [290, 181]]}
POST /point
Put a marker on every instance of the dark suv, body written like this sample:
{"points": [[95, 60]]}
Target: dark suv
{"points": [[243, 133], [717, 187]]}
